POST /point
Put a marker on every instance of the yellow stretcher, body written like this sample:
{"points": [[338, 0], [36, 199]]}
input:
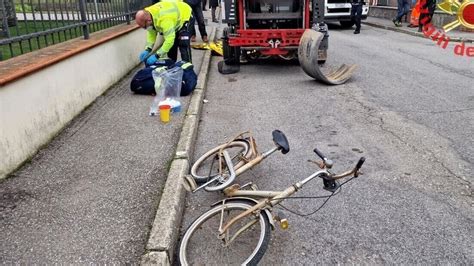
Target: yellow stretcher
{"points": [[216, 47]]}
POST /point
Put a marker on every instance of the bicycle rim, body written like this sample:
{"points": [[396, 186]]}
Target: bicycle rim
{"points": [[200, 244], [207, 166]]}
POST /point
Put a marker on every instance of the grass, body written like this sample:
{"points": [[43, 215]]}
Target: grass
{"points": [[23, 8], [41, 6], [23, 28]]}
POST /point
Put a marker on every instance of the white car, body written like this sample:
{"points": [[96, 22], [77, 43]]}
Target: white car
{"points": [[340, 10]]}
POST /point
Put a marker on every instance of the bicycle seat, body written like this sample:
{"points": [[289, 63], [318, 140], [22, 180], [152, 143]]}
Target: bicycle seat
{"points": [[280, 141]]}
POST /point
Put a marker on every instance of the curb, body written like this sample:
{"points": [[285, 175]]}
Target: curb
{"points": [[165, 230], [417, 34]]}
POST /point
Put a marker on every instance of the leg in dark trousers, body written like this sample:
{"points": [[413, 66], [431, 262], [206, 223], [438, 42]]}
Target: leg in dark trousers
{"points": [[197, 14], [426, 14], [185, 42], [403, 8], [204, 2], [192, 22], [173, 52], [213, 4], [213, 12], [356, 14], [182, 40]]}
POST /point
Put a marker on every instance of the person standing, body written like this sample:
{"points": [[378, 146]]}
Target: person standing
{"points": [[415, 15], [403, 8], [199, 17], [172, 19], [213, 4], [427, 10], [356, 13]]}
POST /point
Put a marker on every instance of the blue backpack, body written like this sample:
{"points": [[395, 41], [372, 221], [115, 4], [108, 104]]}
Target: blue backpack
{"points": [[143, 83]]}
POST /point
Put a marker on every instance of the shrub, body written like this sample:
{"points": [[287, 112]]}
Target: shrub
{"points": [[19, 8]]}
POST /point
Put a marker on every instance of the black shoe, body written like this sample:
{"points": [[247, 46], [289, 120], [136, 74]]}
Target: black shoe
{"points": [[356, 31], [396, 22]]}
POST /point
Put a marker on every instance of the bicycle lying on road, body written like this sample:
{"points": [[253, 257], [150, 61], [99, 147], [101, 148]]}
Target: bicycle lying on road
{"points": [[240, 152], [238, 227]]}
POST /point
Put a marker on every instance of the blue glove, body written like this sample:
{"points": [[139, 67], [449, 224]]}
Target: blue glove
{"points": [[151, 60], [144, 54]]}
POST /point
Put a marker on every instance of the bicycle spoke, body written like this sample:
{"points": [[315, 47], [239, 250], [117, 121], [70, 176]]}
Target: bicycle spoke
{"points": [[241, 230], [214, 164], [237, 244]]}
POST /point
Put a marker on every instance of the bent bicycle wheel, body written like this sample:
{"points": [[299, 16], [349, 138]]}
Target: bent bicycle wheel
{"points": [[201, 245], [207, 166]]}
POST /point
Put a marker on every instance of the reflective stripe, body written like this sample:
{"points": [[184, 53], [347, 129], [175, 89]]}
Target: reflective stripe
{"points": [[186, 65]]}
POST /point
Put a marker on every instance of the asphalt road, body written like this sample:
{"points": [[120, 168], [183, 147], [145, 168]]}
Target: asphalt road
{"points": [[409, 110]]}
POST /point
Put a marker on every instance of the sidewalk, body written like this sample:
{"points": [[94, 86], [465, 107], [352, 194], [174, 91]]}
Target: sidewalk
{"points": [[454, 35], [92, 194]]}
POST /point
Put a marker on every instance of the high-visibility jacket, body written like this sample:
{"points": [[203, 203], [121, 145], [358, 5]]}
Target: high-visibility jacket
{"points": [[168, 17], [415, 14]]}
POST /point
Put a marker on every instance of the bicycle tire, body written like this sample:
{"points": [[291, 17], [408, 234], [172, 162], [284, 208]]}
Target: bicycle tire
{"points": [[199, 176], [200, 246]]}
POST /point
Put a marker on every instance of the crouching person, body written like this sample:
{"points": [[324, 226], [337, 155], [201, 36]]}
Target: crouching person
{"points": [[172, 20]]}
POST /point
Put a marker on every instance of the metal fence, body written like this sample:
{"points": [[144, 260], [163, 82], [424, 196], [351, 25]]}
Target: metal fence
{"points": [[28, 25]]}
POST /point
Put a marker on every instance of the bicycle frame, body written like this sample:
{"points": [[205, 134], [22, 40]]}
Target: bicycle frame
{"points": [[271, 198], [257, 157], [236, 170]]}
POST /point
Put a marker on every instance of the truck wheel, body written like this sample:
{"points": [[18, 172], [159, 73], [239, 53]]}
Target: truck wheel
{"points": [[347, 24], [231, 54]]}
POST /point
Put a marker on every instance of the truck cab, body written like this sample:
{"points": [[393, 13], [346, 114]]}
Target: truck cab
{"points": [[340, 10]]}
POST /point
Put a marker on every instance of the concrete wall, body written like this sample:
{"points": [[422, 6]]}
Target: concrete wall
{"points": [[439, 18], [35, 108]]}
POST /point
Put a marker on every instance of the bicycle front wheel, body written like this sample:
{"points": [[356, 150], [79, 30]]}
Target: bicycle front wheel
{"points": [[209, 165], [201, 245]]}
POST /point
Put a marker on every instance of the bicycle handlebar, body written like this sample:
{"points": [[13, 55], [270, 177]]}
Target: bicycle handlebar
{"points": [[328, 164], [326, 161], [360, 163], [354, 171], [320, 154]]}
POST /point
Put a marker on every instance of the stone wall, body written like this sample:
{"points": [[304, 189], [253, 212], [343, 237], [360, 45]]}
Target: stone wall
{"points": [[388, 12], [67, 77]]}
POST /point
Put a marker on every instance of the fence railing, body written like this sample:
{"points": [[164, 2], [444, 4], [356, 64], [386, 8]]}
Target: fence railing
{"points": [[28, 25]]}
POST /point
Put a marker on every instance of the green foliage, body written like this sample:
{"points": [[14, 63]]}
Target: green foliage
{"points": [[19, 8]]}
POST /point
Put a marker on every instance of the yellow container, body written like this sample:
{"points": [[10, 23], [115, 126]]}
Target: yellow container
{"points": [[165, 113]]}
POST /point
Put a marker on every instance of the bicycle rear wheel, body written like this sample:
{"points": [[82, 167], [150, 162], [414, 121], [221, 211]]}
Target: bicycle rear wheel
{"points": [[200, 245], [207, 166]]}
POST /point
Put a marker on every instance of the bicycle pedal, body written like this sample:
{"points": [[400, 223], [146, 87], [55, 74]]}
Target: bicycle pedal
{"points": [[282, 220]]}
